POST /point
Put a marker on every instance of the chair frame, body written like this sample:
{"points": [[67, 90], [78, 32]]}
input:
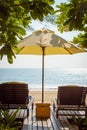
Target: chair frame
{"points": [[75, 100], [15, 95]]}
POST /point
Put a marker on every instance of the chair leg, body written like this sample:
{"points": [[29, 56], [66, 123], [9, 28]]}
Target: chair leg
{"points": [[27, 112], [32, 106], [57, 113], [53, 107]]}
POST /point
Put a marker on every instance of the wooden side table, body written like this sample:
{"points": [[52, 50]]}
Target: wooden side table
{"points": [[43, 110]]}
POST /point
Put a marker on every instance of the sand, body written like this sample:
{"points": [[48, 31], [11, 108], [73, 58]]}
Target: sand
{"points": [[49, 95]]}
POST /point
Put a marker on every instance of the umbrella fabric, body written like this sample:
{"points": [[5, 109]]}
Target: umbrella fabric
{"points": [[53, 44], [45, 42]]}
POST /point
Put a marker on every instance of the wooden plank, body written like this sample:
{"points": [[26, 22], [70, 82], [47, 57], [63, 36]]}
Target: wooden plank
{"points": [[50, 124], [39, 124], [10, 111], [66, 125], [27, 125], [21, 114], [56, 123], [34, 121], [63, 123], [44, 124]]}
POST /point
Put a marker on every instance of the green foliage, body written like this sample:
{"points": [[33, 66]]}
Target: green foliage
{"points": [[73, 16], [15, 17], [81, 39], [40, 9], [9, 122], [80, 122], [62, 17]]}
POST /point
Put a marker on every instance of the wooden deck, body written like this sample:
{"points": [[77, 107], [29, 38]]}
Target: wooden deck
{"points": [[52, 123]]}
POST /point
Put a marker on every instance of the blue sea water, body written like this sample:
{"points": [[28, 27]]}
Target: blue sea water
{"points": [[52, 79]]}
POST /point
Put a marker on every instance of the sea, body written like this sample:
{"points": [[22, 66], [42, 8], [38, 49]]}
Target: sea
{"points": [[53, 77]]}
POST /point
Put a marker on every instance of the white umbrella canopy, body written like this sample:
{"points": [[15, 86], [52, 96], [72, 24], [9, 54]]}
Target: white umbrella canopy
{"points": [[45, 42]]}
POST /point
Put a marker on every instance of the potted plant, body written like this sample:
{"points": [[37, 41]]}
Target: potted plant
{"points": [[9, 122]]}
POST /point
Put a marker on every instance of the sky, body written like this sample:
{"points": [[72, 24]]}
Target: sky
{"points": [[58, 61]]}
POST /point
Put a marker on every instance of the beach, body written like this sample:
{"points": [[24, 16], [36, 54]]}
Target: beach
{"points": [[49, 95]]}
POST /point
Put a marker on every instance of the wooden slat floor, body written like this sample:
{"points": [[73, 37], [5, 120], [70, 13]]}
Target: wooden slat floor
{"points": [[52, 123]]}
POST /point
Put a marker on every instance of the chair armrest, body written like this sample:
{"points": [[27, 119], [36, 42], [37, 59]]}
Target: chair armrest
{"points": [[31, 101]]}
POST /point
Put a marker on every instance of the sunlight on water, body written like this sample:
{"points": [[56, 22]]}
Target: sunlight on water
{"points": [[52, 79]]}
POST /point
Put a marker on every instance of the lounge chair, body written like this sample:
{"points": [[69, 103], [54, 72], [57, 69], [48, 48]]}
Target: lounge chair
{"points": [[15, 95], [70, 98]]}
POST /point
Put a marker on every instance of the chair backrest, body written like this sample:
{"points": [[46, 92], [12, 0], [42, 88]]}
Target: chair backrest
{"points": [[14, 93], [71, 95]]}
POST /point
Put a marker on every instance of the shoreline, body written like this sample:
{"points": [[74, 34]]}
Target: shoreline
{"points": [[40, 89], [49, 95]]}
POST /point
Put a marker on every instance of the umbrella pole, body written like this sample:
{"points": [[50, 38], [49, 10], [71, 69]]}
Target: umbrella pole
{"points": [[43, 74]]}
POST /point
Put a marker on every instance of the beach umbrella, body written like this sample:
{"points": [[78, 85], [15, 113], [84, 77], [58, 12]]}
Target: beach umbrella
{"points": [[46, 42]]}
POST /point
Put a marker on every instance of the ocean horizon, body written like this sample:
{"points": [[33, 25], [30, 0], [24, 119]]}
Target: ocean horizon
{"points": [[53, 77]]}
